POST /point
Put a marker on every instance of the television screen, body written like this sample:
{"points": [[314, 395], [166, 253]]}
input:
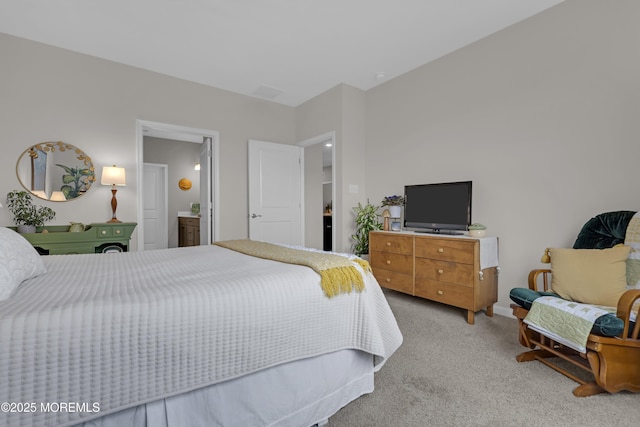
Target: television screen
{"points": [[438, 208]]}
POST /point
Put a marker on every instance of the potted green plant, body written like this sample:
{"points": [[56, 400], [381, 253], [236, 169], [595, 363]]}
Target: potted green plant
{"points": [[366, 221], [395, 204], [26, 215]]}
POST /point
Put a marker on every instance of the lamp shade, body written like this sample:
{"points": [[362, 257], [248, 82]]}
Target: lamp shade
{"points": [[112, 175], [58, 196]]}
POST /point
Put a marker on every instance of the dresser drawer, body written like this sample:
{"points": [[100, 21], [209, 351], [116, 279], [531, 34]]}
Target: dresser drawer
{"points": [[444, 249], [394, 280], [193, 222], [386, 242], [448, 293], [392, 262], [110, 232], [444, 271]]}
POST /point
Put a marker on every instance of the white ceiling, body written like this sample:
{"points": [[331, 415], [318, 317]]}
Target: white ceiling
{"points": [[285, 50]]}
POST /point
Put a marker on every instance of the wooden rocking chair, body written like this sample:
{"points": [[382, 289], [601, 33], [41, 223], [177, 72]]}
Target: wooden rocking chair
{"points": [[614, 362]]}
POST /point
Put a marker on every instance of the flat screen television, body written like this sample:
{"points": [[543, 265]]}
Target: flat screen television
{"points": [[438, 208]]}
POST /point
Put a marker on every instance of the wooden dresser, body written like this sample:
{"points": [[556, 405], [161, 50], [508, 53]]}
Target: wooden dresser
{"points": [[446, 269]]}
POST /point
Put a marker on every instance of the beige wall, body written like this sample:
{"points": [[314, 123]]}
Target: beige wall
{"points": [[340, 110], [542, 116], [51, 94], [351, 173], [318, 116]]}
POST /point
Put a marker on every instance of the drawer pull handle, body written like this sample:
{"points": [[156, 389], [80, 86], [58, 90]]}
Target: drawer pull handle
{"points": [[440, 250], [388, 280], [388, 243], [440, 271], [104, 232], [388, 262], [117, 231], [440, 292]]}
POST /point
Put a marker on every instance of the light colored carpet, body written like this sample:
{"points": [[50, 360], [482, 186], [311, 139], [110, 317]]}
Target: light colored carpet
{"points": [[449, 373]]}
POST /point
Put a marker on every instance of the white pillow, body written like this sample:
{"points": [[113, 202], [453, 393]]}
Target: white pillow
{"points": [[19, 261]]}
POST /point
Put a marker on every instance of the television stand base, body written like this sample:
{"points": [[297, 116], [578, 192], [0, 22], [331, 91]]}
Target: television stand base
{"points": [[439, 231]]}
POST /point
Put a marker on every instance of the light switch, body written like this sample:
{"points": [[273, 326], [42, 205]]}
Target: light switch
{"points": [[354, 188]]}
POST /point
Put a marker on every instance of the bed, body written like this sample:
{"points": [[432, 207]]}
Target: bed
{"points": [[188, 336]]}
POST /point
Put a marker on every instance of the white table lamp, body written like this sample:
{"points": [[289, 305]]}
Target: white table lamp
{"points": [[113, 176]]}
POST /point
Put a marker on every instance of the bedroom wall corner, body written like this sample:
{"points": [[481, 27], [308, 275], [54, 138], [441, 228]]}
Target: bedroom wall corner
{"points": [[541, 116], [340, 109]]}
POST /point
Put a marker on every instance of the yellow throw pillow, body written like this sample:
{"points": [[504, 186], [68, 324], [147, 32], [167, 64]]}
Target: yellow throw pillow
{"points": [[590, 276]]}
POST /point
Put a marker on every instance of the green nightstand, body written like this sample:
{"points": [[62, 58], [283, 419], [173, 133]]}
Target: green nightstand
{"points": [[96, 238]]}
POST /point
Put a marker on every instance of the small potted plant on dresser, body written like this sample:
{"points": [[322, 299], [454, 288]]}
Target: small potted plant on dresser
{"points": [[26, 215], [395, 204], [366, 221]]}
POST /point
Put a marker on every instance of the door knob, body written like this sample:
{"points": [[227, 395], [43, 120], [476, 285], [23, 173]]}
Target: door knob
{"points": [[255, 216]]}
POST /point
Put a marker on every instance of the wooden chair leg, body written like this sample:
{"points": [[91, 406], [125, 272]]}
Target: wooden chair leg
{"points": [[588, 389], [530, 355]]}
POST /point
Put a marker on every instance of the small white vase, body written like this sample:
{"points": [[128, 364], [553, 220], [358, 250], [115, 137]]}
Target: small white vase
{"points": [[395, 211], [26, 228]]}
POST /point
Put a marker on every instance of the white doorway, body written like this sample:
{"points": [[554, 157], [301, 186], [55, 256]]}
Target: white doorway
{"points": [[209, 176], [275, 192], [155, 222]]}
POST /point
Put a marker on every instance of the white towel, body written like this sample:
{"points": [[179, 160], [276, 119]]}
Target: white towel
{"points": [[632, 238], [488, 252]]}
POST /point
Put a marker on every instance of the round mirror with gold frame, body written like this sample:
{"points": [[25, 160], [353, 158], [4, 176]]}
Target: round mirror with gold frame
{"points": [[55, 171]]}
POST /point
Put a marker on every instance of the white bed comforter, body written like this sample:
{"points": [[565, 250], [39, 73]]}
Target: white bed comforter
{"points": [[119, 330]]}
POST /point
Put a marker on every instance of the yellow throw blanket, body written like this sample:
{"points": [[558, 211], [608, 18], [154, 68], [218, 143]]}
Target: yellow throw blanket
{"points": [[338, 274]]}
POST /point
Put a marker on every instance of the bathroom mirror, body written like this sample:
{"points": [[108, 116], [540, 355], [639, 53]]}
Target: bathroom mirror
{"points": [[55, 171]]}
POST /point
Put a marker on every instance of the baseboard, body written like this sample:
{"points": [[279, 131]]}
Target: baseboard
{"points": [[503, 311]]}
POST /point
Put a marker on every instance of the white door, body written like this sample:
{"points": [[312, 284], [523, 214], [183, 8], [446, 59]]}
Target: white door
{"points": [[206, 206], [275, 193], [155, 206]]}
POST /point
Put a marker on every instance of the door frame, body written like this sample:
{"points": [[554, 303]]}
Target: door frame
{"points": [[335, 211], [179, 133]]}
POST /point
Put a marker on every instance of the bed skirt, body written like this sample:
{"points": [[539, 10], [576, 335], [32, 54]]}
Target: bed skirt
{"points": [[301, 393]]}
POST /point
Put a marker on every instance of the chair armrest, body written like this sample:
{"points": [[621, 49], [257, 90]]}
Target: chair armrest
{"points": [[533, 279], [625, 305]]}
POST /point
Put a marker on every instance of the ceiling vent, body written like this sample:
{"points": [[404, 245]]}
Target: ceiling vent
{"points": [[267, 92]]}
